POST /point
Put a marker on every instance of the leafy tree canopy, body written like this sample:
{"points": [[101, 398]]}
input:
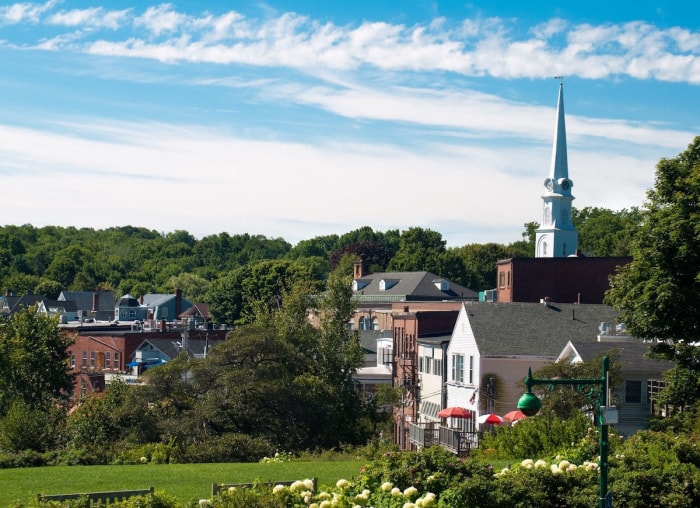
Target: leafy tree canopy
{"points": [[658, 293]]}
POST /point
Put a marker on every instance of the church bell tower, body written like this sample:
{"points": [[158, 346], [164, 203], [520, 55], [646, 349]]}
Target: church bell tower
{"points": [[557, 237]]}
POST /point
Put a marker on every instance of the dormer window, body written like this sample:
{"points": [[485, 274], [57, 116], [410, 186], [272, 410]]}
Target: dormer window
{"points": [[442, 284], [387, 284], [359, 284]]}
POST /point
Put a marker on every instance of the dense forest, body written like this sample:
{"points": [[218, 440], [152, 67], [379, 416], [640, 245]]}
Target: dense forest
{"points": [[138, 261]]}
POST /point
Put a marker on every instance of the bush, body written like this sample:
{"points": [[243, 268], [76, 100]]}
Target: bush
{"points": [[230, 447], [539, 436]]}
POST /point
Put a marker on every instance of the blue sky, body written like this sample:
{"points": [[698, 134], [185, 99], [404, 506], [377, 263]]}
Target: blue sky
{"points": [[304, 118]]}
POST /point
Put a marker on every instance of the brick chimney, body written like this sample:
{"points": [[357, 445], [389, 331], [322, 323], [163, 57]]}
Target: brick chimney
{"points": [[357, 270]]}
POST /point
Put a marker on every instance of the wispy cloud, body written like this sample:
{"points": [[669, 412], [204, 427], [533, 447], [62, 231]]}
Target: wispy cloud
{"points": [[475, 47]]}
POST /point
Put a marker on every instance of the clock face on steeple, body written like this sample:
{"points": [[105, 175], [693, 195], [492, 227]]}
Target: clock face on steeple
{"points": [[549, 184], [565, 185]]}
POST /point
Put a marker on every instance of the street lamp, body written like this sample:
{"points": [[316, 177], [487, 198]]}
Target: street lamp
{"points": [[530, 404]]}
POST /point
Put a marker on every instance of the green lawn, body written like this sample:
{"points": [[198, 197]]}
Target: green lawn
{"points": [[185, 481]]}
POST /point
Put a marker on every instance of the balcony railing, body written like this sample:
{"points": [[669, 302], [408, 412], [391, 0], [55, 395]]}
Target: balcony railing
{"points": [[430, 434]]}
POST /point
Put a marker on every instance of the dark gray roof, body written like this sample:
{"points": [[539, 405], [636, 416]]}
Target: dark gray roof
{"points": [[411, 286], [502, 329], [368, 339], [83, 299], [630, 353]]}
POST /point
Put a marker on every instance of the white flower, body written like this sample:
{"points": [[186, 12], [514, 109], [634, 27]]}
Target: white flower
{"points": [[528, 463], [555, 469], [308, 484], [571, 468], [396, 491], [387, 486], [204, 502], [540, 463], [409, 505], [297, 485], [324, 495], [143, 460], [410, 492], [231, 490], [325, 504], [342, 484], [564, 464], [278, 488], [313, 505]]}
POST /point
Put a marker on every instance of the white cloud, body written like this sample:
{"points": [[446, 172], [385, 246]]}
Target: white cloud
{"points": [[473, 48], [24, 12], [95, 17]]}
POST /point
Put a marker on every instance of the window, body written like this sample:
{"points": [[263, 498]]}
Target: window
{"points": [[116, 360], [471, 370], [458, 368], [502, 280], [351, 325], [132, 314], [420, 364], [84, 364], [108, 360], [633, 392], [437, 366], [428, 364], [92, 359], [72, 361]]}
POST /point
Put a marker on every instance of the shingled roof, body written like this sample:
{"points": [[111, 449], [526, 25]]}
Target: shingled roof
{"points": [[630, 353], [407, 286], [506, 329]]}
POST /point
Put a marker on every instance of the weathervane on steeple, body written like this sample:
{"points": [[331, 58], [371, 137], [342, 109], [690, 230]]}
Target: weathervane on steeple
{"points": [[560, 78]]}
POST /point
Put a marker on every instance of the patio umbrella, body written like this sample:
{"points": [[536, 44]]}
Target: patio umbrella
{"points": [[514, 416], [454, 412], [491, 418]]}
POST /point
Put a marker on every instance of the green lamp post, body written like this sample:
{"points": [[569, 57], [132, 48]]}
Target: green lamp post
{"points": [[530, 404]]}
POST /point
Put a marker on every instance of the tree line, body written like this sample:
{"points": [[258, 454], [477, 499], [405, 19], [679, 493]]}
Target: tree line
{"points": [[138, 261]]}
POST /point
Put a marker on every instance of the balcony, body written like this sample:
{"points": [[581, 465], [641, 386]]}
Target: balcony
{"points": [[424, 435]]}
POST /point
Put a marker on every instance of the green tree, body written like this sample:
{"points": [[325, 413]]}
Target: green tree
{"points": [[234, 297], [479, 264], [603, 232], [658, 293], [33, 361], [419, 250], [566, 401]]}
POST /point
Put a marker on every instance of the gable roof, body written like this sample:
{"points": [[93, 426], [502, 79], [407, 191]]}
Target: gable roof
{"points": [[84, 299], [630, 353], [197, 310], [405, 286], [534, 329]]}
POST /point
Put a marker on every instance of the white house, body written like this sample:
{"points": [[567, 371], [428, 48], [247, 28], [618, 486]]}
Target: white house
{"points": [[494, 344]]}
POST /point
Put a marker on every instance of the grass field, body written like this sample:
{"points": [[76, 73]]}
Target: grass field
{"points": [[185, 481]]}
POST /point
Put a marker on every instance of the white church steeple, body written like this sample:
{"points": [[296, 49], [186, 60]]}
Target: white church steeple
{"points": [[557, 236]]}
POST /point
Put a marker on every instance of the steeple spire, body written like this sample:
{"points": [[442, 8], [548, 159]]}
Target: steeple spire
{"points": [[560, 163], [557, 236]]}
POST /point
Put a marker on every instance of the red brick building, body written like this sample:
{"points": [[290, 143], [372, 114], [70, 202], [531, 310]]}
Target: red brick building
{"points": [[410, 323], [100, 350], [573, 279]]}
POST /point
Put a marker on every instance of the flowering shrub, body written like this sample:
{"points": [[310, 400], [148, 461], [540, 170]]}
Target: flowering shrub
{"points": [[278, 457]]}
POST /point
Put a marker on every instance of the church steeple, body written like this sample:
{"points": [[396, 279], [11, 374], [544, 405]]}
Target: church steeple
{"points": [[557, 236]]}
